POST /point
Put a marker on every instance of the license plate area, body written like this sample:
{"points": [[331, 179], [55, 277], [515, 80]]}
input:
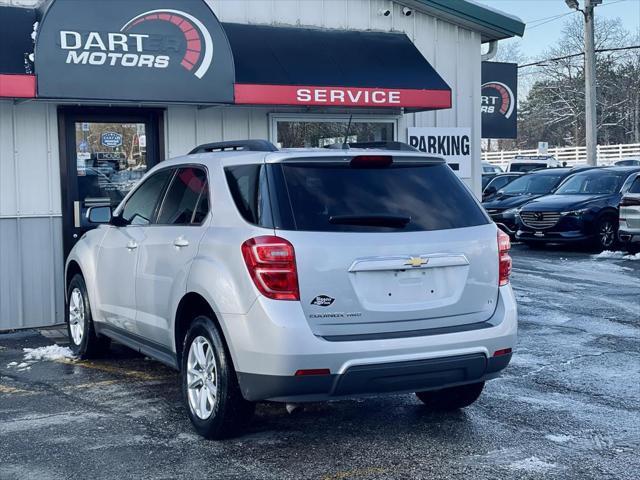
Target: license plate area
{"points": [[410, 289]]}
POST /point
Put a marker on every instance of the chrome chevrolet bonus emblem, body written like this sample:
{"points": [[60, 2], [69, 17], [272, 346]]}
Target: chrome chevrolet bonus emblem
{"points": [[417, 261]]}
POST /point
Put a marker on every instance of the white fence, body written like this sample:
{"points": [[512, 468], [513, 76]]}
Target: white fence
{"points": [[607, 154]]}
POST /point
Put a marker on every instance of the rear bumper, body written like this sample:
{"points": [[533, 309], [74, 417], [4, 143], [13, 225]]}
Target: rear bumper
{"points": [[629, 235], [362, 380], [273, 341]]}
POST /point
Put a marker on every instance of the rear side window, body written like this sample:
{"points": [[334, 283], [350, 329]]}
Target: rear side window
{"points": [[183, 203], [400, 197], [248, 187]]}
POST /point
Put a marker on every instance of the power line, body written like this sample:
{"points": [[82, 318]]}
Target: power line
{"points": [[599, 50], [553, 19]]}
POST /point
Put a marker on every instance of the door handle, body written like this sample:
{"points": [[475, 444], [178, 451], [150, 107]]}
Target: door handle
{"points": [[181, 242], [132, 245]]}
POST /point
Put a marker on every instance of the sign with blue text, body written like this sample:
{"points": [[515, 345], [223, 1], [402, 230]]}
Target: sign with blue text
{"points": [[111, 139]]}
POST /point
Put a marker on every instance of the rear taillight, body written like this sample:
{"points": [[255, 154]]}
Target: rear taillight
{"points": [[271, 262], [504, 259]]}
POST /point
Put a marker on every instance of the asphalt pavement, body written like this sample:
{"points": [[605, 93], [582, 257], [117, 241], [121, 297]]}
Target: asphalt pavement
{"points": [[567, 406]]}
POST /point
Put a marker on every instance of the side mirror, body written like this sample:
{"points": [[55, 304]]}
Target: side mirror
{"points": [[489, 191], [99, 215]]}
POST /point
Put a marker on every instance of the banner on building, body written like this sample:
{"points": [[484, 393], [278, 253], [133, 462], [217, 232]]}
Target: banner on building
{"points": [[499, 100], [452, 144]]}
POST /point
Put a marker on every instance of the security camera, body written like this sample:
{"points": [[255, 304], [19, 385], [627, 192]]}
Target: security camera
{"points": [[407, 12], [384, 12]]}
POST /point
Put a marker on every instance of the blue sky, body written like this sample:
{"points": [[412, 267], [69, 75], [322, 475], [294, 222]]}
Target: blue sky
{"points": [[539, 36]]}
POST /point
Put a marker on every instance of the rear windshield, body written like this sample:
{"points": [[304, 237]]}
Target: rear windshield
{"points": [[333, 197], [525, 167]]}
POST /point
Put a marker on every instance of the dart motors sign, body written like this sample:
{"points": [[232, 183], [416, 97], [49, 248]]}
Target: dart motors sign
{"points": [[133, 50], [499, 96]]}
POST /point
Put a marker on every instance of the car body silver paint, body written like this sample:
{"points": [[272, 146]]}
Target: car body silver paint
{"points": [[277, 337]]}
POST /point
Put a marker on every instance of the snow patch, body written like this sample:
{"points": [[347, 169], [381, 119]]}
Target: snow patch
{"points": [[532, 464], [559, 438], [607, 254], [50, 352]]}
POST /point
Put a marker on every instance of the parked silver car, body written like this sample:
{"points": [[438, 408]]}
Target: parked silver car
{"points": [[298, 275], [629, 228]]}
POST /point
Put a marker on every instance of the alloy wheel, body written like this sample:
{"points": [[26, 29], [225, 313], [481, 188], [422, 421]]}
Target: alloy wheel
{"points": [[76, 316], [607, 234], [202, 378]]}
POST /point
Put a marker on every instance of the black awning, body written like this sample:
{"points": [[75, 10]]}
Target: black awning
{"points": [[302, 66], [16, 25]]}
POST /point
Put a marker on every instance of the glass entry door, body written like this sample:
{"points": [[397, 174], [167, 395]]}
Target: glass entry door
{"points": [[106, 154]]}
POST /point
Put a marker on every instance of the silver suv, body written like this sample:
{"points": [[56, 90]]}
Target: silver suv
{"points": [[298, 275]]}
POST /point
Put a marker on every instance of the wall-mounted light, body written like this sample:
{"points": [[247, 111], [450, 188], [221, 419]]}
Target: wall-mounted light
{"points": [[407, 12], [384, 12]]}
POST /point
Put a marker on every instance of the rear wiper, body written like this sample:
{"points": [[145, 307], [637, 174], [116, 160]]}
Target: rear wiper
{"points": [[395, 221]]}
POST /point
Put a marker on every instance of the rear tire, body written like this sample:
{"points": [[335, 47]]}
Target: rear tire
{"points": [[83, 339], [452, 398], [210, 386]]}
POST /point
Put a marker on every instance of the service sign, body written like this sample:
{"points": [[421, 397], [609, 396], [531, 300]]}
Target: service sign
{"points": [[499, 100], [143, 50], [452, 144]]}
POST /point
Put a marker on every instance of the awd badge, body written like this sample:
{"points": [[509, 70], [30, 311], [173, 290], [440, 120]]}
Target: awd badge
{"points": [[322, 300]]}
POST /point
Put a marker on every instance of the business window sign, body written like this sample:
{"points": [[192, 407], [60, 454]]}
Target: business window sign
{"points": [[133, 50], [111, 139], [452, 144], [499, 97]]}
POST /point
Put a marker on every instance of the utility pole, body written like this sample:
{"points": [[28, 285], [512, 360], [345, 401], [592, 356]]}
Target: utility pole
{"points": [[591, 119]]}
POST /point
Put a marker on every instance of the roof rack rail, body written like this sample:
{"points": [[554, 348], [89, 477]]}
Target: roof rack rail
{"points": [[235, 145], [382, 146]]}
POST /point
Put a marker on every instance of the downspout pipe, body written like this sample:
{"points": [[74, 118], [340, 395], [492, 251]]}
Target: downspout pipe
{"points": [[492, 52]]}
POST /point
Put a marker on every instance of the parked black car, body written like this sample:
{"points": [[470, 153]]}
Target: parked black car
{"points": [[489, 172], [584, 208], [497, 183], [502, 206]]}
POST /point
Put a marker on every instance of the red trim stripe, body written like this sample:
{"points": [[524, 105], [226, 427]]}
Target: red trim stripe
{"points": [[341, 96], [17, 86]]}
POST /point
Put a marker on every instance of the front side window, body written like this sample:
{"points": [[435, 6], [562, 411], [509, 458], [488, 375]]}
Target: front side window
{"points": [[532, 184], [635, 186], [186, 200], [140, 207]]}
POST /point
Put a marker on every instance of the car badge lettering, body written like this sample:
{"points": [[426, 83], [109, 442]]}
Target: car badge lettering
{"points": [[323, 300]]}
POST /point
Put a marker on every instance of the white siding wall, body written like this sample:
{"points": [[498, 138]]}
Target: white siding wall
{"points": [[31, 264], [453, 51]]}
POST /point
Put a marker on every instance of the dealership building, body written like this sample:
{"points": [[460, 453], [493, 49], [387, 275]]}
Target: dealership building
{"points": [[95, 92]]}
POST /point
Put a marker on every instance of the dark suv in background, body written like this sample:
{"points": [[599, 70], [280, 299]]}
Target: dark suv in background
{"points": [[504, 204], [584, 208]]}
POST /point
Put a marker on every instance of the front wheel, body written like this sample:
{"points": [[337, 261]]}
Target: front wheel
{"points": [[83, 340], [451, 398], [606, 232], [210, 385]]}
